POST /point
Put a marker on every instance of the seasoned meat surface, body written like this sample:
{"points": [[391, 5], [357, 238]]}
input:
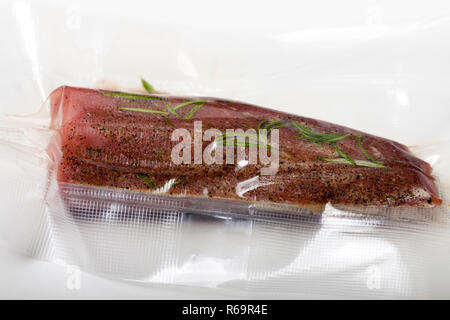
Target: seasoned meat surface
{"points": [[123, 140]]}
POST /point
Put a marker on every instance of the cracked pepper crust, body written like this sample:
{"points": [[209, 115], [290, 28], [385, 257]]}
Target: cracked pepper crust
{"points": [[103, 145]]}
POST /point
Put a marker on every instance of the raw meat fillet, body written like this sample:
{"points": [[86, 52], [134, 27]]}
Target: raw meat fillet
{"points": [[106, 139]]}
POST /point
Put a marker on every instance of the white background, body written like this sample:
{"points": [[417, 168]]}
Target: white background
{"points": [[379, 66]]}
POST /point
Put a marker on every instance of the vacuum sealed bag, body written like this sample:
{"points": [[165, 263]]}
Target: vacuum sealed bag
{"points": [[202, 191], [181, 189]]}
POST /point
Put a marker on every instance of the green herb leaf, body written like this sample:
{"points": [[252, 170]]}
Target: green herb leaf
{"points": [[366, 153], [146, 179], [260, 125], [344, 155], [176, 182], [194, 110], [143, 110], [147, 86], [253, 140], [304, 130], [186, 103], [318, 137], [333, 138], [129, 96], [304, 139], [274, 125], [170, 109], [361, 163]]}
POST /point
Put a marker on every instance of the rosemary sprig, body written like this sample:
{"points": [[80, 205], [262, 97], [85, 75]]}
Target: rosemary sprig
{"points": [[143, 110], [238, 143], [225, 136], [274, 125], [147, 86], [194, 109], [129, 96], [177, 182], [263, 130], [256, 143], [304, 139], [345, 159], [146, 179], [368, 156], [269, 126], [198, 105], [316, 137], [344, 155], [333, 138], [265, 127], [171, 110], [166, 120], [361, 163], [258, 128]]}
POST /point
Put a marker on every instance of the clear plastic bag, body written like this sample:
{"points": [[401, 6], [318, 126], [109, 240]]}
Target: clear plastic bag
{"points": [[202, 241], [347, 77]]}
